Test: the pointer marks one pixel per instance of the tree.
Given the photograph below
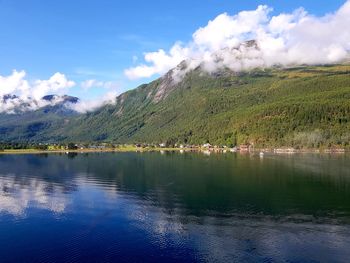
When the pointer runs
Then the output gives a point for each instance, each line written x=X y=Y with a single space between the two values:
x=71 y=146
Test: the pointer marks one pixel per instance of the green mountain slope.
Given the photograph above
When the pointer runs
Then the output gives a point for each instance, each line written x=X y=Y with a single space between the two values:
x=300 y=107
x=305 y=106
x=36 y=126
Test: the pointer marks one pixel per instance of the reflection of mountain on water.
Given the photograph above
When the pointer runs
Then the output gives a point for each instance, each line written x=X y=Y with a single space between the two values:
x=245 y=238
x=184 y=206
x=326 y=165
x=193 y=184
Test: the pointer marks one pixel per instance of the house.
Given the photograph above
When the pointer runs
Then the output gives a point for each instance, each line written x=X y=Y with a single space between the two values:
x=162 y=145
x=244 y=147
x=207 y=145
x=233 y=150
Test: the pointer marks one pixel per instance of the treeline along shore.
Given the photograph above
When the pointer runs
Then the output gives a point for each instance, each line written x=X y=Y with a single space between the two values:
x=207 y=148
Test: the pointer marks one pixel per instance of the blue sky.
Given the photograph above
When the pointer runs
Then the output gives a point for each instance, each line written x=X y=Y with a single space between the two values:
x=99 y=39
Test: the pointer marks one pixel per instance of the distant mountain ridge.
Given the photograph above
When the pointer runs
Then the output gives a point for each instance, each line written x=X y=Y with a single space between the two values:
x=64 y=98
x=23 y=119
x=14 y=104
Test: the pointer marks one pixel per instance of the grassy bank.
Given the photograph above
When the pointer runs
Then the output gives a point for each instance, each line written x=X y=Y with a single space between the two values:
x=119 y=149
x=131 y=148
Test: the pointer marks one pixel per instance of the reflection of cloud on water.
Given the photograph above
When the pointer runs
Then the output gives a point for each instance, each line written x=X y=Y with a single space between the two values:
x=89 y=181
x=172 y=211
x=162 y=217
x=236 y=237
x=160 y=226
x=11 y=205
x=17 y=195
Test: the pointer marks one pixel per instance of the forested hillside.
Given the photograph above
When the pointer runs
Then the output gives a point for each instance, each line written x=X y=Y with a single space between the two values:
x=299 y=107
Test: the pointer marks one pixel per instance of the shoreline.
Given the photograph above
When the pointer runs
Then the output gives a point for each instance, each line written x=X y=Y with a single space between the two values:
x=181 y=150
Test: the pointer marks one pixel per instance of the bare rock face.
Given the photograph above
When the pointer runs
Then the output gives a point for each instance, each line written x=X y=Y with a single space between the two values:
x=121 y=99
x=120 y=103
x=168 y=83
x=120 y=112
x=165 y=86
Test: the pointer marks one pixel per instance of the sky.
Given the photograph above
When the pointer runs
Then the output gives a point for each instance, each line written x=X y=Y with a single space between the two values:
x=95 y=49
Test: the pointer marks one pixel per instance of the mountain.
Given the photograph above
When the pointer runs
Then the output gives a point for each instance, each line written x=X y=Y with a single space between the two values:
x=23 y=119
x=64 y=98
x=300 y=107
x=13 y=104
x=60 y=104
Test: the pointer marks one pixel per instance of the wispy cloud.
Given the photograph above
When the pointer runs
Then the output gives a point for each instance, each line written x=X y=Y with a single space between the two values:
x=93 y=83
x=88 y=73
x=90 y=105
x=140 y=40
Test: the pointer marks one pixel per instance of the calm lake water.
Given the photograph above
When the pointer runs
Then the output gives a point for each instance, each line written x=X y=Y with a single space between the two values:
x=172 y=207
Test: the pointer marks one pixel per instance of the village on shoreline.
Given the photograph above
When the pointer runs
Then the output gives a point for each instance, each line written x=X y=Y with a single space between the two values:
x=206 y=148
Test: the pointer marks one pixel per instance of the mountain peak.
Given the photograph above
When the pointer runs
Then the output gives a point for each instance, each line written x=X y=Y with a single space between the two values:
x=7 y=97
x=62 y=99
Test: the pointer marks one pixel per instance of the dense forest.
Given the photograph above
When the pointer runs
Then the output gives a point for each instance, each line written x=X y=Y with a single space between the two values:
x=302 y=107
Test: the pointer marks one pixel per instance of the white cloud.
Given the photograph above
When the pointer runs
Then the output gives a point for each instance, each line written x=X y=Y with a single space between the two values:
x=286 y=39
x=93 y=83
x=109 y=97
x=225 y=31
x=84 y=106
x=27 y=96
x=16 y=84
x=160 y=62
x=57 y=84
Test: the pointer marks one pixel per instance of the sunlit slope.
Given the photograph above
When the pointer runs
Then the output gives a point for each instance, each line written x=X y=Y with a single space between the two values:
x=305 y=106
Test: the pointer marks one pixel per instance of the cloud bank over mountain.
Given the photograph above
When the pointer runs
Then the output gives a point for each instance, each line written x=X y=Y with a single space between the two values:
x=244 y=41
x=286 y=39
x=17 y=84
x=18 y=94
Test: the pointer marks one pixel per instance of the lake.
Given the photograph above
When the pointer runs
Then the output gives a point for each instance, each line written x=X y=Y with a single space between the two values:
x=172 y=207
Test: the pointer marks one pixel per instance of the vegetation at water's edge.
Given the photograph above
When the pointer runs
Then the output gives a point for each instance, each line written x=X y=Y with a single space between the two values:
x=305 y=107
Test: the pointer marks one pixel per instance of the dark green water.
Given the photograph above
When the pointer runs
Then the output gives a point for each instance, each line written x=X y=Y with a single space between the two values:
x=172 y=207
